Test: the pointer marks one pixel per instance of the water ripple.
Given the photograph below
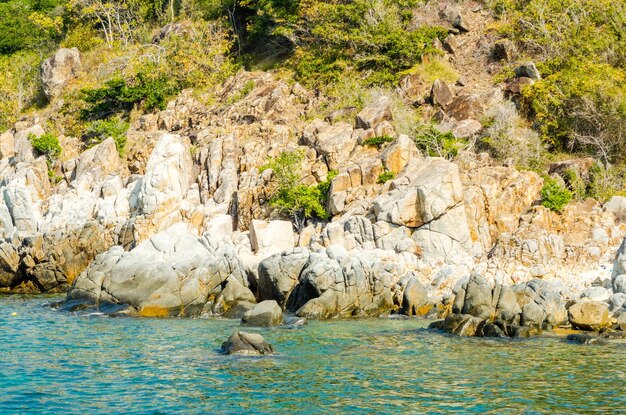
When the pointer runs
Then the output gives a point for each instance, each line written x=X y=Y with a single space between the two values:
x=55 y=362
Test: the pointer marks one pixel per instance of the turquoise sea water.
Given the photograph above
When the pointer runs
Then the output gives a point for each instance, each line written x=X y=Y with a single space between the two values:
x=61 y=363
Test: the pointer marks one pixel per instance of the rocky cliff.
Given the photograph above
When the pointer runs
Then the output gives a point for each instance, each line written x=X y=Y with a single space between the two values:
x=181 y=225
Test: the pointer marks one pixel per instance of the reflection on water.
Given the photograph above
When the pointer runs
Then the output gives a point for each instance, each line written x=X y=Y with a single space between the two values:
x=54 y=362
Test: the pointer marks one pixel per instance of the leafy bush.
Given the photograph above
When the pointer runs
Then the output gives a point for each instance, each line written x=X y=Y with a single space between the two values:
x=46 y=145
x=82 y=37
x=605 y=183
x=554 y=196
x=378 y=141
x=297 y=200
x=119 y=95
x=385 y=177
x=580 y=104
x=324 y=187
x=438 y=144
x=29 y=24
x=373 y=39
x=507 y=138
x=19 y=85
x=100 y=130
x=432 y=68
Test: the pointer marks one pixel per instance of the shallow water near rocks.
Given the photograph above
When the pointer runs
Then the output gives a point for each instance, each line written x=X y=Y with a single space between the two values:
x=54 y=362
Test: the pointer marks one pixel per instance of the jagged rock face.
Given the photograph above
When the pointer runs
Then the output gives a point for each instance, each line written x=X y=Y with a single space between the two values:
x=172 y=273
x=428 y=196
x=530 y=304
x=164 y=187
x=332 y=282
x=483 y=310
x=265 y=314
x=54 y=260
x=57 y=70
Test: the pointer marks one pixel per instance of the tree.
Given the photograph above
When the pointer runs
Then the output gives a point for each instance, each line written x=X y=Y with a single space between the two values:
x=291 y=197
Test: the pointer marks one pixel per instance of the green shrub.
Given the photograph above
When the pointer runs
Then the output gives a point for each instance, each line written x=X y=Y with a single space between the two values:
x=119 y=95
x=580 y=50
x=437 y=144
x=100 y=130
x=374 y=40
x=297 y=200
x=378 y=141
x=605 y=183
x=554 y=196
x=324 y=186
x=385 y=177
x=46 y=145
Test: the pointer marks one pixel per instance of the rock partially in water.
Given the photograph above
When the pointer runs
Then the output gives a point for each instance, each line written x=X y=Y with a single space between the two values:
x=265 y=314
x=415 y=300
x=174 y=273
x=246 y=344
x=602 y=338
x=523 y=310
x=589 y=315
x=238 y=310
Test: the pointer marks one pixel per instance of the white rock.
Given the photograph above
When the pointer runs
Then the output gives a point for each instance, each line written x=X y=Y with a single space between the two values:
x=273 y=236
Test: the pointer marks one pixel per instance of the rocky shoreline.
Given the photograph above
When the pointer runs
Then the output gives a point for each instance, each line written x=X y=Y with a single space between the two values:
x=181 y=225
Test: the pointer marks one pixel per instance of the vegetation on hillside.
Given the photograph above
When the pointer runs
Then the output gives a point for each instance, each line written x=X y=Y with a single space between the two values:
x=349 y=51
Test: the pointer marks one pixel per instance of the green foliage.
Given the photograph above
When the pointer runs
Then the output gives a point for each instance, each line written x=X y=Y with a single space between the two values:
x=437 y=144
x=293 y=198
x=118 y=95
x=373 y=40
x=580 y=48
x=378 y=141
x=385 y=177
x=82 y=37
x=19 y=85
x=575 y=184
x=605 y=183
x=29 y=24
x=324 y=186
x=582 y=108
x=554 y=196
x=433 y=68
x=46 y=145
x=100 y=130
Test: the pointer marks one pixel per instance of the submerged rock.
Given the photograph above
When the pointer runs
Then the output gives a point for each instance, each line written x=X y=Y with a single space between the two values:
x=247 y=344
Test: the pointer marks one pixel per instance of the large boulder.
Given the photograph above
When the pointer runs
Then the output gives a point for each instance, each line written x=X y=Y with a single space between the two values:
x=265 y=314
x=398 y=154
x=426 y=190
x=374 y=114
x=174 y=273
x=440 y=94
x=415 y=301
x=546 y=296
x=589 y=315
x=528 y=70
x=333 y=142
x=279 y=274
x=272 y=236
x=246 y=344
x=57 y=70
